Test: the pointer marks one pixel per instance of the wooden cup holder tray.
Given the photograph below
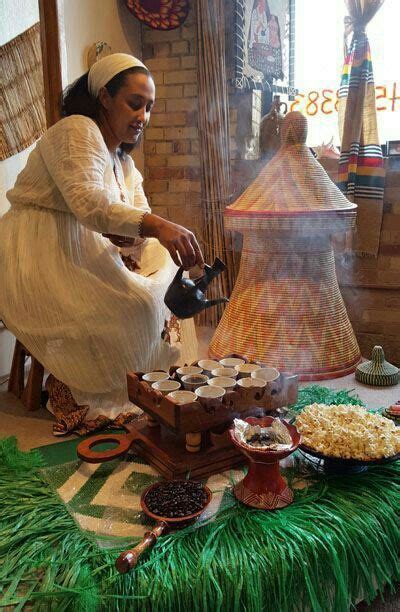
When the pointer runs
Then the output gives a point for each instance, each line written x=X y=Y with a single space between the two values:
x=205 y=414
x=172 y=428
x=189 y=439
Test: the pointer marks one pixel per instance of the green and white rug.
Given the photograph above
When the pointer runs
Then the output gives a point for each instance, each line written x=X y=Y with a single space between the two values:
x=63 y=523
x=105 y=498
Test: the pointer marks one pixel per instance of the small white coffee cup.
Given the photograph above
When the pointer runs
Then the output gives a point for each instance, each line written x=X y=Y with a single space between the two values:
x=210 y=392
x=222 y=381
x=230 y=372
x=185 y=370
x=268 y=374
x=166 y=386
x=151 y=377
x=248 y=382
x=208 y=365
x=192 y=381
x=246 y=369
x=182 y=397
x=231 y=362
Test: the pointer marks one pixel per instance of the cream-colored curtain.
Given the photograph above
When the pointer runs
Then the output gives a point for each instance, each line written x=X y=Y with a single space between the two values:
x=361 y=170
x=214 y=152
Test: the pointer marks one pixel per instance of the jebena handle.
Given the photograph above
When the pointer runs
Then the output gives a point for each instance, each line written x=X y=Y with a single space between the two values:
x=128 y=559
x=84 y=450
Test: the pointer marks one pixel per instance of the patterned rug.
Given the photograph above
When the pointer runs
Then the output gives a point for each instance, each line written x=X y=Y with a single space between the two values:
x=104 y=498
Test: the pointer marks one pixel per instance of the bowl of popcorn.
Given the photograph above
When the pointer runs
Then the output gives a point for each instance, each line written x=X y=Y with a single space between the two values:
x=348 y=433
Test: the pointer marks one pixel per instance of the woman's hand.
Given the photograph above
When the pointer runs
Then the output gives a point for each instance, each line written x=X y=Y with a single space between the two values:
x=120 y=241
x=180 y=242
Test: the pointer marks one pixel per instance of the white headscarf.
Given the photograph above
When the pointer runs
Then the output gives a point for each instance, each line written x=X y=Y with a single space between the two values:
x=106 y=68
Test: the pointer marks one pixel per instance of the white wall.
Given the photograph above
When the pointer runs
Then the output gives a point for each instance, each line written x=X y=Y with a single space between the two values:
x=16 y=17
x=89 y=21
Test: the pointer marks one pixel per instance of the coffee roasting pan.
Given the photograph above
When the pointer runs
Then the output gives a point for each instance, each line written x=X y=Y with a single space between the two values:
x=129 y=558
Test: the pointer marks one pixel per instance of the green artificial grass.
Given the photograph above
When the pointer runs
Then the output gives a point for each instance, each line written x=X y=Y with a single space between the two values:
x=337 y=542
x=323 y=395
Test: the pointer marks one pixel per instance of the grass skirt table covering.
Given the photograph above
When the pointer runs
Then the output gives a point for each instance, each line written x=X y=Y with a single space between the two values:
x=338 y=542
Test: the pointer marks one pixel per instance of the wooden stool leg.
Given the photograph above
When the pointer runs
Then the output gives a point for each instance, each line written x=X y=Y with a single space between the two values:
x=31 y=395
x=17 y=373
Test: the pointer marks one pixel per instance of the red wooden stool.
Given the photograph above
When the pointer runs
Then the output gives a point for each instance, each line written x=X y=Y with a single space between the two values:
x=29 y=393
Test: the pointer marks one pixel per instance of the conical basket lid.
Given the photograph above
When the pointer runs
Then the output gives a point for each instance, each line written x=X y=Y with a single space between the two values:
x=292 y=183
x=377 y=372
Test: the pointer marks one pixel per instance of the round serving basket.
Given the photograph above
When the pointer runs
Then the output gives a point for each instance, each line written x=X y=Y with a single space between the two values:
x=336 y=465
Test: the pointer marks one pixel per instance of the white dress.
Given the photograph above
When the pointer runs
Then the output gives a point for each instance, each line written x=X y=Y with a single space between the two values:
x=65 y=292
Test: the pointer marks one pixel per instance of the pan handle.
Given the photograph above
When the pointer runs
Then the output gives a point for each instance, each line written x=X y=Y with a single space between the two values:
x=128 y=559
x=84 y=450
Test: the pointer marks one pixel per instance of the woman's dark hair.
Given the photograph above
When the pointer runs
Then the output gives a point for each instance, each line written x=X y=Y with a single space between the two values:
x=78 y=101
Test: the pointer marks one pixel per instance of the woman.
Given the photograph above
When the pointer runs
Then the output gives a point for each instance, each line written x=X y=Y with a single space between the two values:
x=66 y=294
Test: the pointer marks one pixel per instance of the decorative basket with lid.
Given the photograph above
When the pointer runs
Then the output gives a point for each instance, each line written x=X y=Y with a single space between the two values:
x=378 y=372
x=286 y=308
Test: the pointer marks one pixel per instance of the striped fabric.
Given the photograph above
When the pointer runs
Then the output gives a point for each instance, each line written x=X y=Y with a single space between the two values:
x=361 y=169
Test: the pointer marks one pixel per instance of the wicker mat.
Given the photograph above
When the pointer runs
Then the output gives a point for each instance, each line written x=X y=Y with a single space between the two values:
x=21 y=92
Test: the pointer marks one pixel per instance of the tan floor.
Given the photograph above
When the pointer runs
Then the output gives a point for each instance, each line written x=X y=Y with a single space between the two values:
x=34 y=429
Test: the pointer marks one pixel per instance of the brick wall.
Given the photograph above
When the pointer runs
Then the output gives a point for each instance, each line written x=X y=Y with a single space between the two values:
x=370 y=287
x=171 y=146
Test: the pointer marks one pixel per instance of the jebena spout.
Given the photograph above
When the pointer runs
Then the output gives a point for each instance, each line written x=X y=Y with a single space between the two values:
x=209 y=303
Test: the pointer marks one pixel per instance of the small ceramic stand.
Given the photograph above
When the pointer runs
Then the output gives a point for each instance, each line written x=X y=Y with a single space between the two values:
x=264 y=487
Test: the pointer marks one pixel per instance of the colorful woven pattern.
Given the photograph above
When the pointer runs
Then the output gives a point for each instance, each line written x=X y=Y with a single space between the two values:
x=286 y=309
x=361 y=170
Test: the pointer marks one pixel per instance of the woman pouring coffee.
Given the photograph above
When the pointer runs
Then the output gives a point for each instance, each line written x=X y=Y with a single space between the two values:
x=65 y=291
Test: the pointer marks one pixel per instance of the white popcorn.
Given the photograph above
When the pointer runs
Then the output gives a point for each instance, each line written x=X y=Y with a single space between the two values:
x=348 y=431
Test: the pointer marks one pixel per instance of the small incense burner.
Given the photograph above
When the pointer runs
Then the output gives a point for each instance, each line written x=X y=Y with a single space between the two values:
x=263 y=487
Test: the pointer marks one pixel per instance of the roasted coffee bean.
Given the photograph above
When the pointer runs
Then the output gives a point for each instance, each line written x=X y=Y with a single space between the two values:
x=176 y=499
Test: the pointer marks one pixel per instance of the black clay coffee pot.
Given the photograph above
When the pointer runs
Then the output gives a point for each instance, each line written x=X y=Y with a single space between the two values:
x=185 y=297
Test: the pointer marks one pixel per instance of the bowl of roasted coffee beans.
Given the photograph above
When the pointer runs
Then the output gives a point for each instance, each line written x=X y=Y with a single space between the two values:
x=173 y=504
x=175 y=501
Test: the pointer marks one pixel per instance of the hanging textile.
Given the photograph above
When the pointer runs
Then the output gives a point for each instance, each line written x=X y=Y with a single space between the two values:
x=214 y=147
x=361 y=169
x=159 y=14
x=21 y=92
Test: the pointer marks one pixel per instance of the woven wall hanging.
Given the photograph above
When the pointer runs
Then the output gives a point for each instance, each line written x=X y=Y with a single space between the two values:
x=21 y=93
x=160 y=14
